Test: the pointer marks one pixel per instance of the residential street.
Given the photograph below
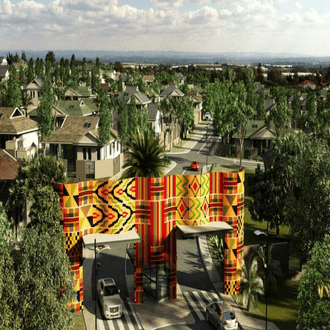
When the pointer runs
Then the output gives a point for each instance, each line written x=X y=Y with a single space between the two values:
x=202 y=142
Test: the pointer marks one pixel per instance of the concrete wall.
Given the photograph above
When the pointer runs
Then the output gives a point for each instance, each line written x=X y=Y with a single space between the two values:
x=103 y=168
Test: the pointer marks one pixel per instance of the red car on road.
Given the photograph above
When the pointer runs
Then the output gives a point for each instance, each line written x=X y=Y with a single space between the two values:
x=194 y=166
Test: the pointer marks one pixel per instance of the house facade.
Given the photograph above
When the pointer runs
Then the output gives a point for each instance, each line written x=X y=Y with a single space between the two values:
x=18 y=134
x=77 y=143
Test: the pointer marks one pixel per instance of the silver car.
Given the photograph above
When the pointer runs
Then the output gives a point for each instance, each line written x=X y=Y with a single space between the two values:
x=221 y=315
x=109 y=298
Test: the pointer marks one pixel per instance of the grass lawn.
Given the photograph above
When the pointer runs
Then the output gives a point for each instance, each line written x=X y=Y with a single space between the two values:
x=79 y=323
x=283 y=305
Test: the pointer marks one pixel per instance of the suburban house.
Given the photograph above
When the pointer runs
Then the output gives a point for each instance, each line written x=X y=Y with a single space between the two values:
x=18 y=216
x=308 y=84
x=4 y=72
x=155 y=118
x=33 y=89
x=149 y=79
x=63 y=108
x=77 y=143
x=79 y=93
x=258 y=139
x=198 y=106
x=3 y=61
x=181 y=77
x=140 y=99
x=18 y=134
x=172 y=91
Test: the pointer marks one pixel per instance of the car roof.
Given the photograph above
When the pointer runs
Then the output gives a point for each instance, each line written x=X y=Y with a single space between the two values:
x=108 y=281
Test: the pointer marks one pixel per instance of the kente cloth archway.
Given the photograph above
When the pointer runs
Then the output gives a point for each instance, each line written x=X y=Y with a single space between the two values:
x=153 y=207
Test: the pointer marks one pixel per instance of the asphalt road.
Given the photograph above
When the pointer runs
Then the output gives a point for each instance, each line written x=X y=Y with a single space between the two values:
x=205 y=140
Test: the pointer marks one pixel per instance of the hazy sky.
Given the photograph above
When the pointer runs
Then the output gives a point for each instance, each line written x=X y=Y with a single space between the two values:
x=277 y=26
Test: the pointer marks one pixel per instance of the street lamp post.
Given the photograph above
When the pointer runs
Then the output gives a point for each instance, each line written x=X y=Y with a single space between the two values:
x=259 y=232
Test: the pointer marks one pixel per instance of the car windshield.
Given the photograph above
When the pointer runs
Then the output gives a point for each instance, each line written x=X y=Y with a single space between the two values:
x=110 y=290
x=229 y=316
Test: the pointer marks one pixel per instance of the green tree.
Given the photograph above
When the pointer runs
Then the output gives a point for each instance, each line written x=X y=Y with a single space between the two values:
x=145 y=156
x=309 y=202
x=133 y=121
x=9 y=296
x=296 y=112
x=314 y=311
x=241 y=114
x=45 y=110
x=271 y=189
x=123 y=131
x=50 y=56
x=252 y=285
x=260 y=107
x=105 y=119
x=184 y=113
x=23 y=56
x=21 y=76
x=43 y=271
x=280 y=114
x=30 y=70
x=11 y=93
x=4 y=227
x=33 y=173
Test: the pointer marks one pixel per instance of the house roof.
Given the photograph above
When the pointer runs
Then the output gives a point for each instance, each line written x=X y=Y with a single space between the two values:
x=80 y=91
x=13 y=121
x=269 y=104
x=127 y=94
x=35 y=82
x=76 y=107
x=149 y=78
x=9 y=166
x=264 y=133
x=171 y=90
x=153 y=111
x=3 y=70
x=74 y=128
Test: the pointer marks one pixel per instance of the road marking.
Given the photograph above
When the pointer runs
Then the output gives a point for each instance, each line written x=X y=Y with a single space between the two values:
x=210 y=296
x=128 y=319
x=194 y=306
x=100 y=324
x=135 y=316
x=197 y=296
x=120 y=324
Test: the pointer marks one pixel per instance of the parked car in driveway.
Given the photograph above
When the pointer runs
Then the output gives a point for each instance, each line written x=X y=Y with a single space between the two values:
x=207 y=116
x=194 y=166
x=221 y=315
x=109 y=298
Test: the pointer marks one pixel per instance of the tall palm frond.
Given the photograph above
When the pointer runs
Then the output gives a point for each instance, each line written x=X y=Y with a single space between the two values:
x=216 y=246
x=274 y=269
x=145 y=156
x=252 y=285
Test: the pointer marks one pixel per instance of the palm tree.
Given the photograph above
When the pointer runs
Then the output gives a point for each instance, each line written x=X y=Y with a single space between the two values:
x=252 y=285
x=274 y=270
x=216 y=246
x=145 y=156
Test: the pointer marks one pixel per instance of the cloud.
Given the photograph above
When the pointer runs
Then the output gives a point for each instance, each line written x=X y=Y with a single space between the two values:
x=108 y=24
x=298 y=5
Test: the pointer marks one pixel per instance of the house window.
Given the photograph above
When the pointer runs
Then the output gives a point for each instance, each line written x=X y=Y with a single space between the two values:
x=254 y=126
x=110 y=149
x=84 y=153
x=71 y=106
x=89 y=150
x=87 y=125
x=98 y=154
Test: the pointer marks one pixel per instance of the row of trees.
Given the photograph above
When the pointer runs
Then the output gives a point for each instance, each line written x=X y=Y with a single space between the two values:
x=35 y=276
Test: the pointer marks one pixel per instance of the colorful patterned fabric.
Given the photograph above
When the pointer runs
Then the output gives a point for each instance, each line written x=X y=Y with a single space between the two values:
x=153 y=207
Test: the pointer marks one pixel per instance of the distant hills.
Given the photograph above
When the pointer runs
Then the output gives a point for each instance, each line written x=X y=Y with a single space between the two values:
x=172 y=57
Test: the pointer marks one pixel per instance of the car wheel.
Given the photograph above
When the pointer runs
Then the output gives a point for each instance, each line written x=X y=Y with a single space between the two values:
x=207 y=316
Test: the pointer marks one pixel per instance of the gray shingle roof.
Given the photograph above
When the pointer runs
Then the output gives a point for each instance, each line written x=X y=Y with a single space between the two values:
x=3 y=70
x=17 y=124
x=170 y=90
